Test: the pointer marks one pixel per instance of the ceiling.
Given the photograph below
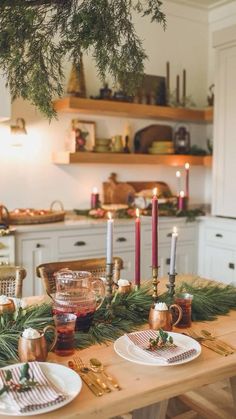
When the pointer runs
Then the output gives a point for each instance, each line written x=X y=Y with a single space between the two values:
x=204 y=4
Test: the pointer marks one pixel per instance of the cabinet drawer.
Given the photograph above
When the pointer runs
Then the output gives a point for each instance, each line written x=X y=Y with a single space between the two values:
x=165 y=234
x=220 y=237
x=74 y=244
x=124 y=239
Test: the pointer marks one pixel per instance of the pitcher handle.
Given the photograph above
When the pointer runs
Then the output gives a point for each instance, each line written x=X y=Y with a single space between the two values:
x=50 y=326
x=180 y=311
x=98 y=283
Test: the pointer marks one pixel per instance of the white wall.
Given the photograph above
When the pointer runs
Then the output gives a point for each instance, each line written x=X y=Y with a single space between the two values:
x=27 y=176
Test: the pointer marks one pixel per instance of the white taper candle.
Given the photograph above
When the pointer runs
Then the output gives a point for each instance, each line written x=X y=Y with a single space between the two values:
x=173 y=251
x=109 y=238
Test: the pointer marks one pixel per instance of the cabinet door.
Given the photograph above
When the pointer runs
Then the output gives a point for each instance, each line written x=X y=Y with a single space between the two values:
x=128 y=259
x=220 y=264
x=224 y=168
x=186 y=259
x=33 y=253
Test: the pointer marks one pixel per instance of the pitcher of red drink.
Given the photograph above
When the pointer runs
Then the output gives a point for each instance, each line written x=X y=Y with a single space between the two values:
x=80 y=293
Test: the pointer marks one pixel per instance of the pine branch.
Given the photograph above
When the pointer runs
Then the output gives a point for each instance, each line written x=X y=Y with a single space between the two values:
x=36 y=36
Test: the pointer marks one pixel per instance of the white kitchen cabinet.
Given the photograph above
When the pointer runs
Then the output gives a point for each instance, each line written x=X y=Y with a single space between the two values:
x=36 y=245
x=31 y=252
x=224 y=167
x=217 y=249
x=186 y=253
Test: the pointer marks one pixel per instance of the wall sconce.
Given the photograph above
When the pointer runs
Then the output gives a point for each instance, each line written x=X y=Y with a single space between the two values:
x=19 y=127
x=18 y=130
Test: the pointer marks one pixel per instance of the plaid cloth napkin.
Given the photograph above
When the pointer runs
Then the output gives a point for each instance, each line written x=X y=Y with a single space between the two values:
x=167 y=354
x=43 y=395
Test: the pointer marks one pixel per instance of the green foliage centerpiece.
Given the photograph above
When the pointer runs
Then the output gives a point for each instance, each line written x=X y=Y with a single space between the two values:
x=126 y=313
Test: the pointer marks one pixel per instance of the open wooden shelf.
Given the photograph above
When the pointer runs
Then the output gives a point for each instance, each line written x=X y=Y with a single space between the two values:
x=131 y=110
x=116 y=158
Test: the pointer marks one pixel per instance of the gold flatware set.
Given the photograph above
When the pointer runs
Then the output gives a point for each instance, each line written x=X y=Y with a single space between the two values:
x=205 y=338
x=94 y=376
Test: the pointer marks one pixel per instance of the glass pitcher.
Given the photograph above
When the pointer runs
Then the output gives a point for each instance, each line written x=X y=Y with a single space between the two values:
x=80 y=293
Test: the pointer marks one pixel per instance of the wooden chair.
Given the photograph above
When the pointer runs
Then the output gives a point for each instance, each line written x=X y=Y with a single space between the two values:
x=96 y=266
x=11 y=280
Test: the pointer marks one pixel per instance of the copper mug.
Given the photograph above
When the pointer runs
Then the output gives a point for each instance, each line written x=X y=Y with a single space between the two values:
x=7 y=307
x=163 y=319
x=36 y=349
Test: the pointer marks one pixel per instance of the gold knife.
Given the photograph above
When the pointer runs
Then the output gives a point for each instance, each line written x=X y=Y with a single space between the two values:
x=86 y=380
x=214 y=348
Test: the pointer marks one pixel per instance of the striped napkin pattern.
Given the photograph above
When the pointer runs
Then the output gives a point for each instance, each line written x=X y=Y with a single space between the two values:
x=43 y=395
x=167 y=354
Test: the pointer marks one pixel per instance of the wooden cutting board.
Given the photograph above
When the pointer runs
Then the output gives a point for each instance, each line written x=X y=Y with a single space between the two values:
x=115 y=192
x=143 y=138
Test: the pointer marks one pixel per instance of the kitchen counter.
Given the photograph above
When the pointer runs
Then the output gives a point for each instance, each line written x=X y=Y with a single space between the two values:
x=77 y=221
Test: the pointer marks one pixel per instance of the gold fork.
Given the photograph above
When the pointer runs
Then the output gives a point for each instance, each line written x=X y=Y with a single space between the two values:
x=94 y=388
x=208 y=335
x=208 y=344
x=80 y=364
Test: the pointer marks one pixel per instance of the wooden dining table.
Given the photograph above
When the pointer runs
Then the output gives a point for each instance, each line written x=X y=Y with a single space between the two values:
x=153 y=386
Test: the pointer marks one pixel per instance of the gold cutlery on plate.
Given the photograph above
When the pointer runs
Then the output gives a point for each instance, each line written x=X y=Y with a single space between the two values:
x=98 y=367
x=92 y=375
x=95 y=390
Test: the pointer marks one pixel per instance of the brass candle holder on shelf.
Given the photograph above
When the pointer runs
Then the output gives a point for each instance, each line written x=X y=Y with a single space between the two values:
x=171 y=284
x=155 y=283
x=109 y=282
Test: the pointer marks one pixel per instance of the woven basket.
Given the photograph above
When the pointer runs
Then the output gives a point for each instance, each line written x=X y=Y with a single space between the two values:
x=31 y=216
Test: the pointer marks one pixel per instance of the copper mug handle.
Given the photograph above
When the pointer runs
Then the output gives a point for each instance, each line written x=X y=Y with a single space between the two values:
x=180 y=311
x=50 y=326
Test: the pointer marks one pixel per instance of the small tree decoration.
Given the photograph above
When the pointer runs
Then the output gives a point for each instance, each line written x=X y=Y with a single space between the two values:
x=37 y=35
x=76 y=85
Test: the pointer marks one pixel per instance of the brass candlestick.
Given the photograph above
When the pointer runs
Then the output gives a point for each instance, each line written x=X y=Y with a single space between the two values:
x=109 y=282
x=171 y=284
x=155 y=283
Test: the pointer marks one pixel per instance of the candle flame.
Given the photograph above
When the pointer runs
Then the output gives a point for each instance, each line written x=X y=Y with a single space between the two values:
x=187 y=166
x=95 y=190
x=137 y=213
x=181 y=194
x=178 y=174
x=109 y=216
x=155 y=190
x=175 y=230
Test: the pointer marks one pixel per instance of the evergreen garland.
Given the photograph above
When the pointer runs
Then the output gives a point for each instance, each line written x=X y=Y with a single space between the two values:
x=37 y=36
x=126 y=313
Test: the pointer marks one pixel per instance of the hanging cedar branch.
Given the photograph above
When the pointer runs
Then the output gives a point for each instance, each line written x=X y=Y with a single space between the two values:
x=36 y=36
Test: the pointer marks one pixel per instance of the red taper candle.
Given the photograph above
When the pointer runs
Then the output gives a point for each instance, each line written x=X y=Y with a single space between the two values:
x=181 y=201
x=154 y=229
x=187 y=166
x=137 y=249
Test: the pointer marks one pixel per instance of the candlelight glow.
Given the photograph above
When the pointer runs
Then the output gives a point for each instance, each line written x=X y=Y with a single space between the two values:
x=181 y=194
x=178 y=174
x=187 y=166
x=95 y=190
x=175 y=231
x=137 y=213
x=155 y=192
x=109 y=216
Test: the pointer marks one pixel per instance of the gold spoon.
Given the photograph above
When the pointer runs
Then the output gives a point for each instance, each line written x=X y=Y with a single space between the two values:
x=219 y=342
x=97 y=366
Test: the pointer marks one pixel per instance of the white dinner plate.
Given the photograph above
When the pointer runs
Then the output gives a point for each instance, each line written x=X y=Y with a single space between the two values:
x=127 y=350
x=65 y=379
